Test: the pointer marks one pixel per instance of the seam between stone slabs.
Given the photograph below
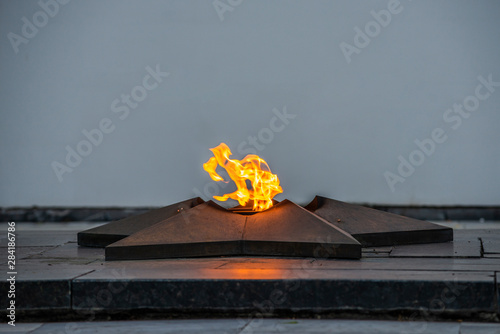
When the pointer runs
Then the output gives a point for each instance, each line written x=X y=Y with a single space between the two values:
x=71 y=288
x=34 y=329
x=42 y=252
x=481 y=245
x=222 y=265
x=245 y=326
x=497 y=292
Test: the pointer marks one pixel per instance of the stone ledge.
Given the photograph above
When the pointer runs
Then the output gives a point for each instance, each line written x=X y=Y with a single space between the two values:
x=93 y=214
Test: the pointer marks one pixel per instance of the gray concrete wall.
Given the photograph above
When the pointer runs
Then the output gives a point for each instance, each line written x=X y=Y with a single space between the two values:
x=360 y=89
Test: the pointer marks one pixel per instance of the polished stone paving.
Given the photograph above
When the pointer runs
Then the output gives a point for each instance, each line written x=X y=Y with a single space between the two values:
x=458 y=280
x=230 y=326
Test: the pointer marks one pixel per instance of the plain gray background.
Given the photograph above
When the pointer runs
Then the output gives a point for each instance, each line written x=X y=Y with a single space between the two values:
x=353 y=120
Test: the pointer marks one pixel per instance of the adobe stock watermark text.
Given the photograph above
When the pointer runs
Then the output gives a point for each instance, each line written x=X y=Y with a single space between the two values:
x=121 y=107
x=30 y=27
x=453 y=117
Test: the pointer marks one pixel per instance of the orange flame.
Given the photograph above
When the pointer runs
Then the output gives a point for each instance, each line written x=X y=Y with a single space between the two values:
x=265 y=185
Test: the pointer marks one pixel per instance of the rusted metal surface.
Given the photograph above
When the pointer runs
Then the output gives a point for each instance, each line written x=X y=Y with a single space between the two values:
x=287 y=229
x=210 y=230
x=107 y=234
x=377 y=228
x=324 y=228
x=205 y=230
x=247 y=209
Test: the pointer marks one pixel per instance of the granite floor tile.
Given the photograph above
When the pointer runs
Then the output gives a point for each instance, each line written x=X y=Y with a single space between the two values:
x=194 y=326
x=479 y=328
x=40 y=238
x=23 y=252
x=226 y=290
x=465 y=243
x=490 y=240
x=262 y=274
x=457 y=248
x=377 y=249
x=491 y=256
x=49 y=263
x=51 y=269
x=72 y=251
x=348 y=327
x=440 y=264
x=19 y=328
x=39 y=295
x=498 y=291
x=256 y=325
x=374 y=255
x=491 y=246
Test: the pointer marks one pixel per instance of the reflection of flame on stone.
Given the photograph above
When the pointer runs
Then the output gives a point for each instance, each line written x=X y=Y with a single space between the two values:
x=265 y=185
x=241 y=271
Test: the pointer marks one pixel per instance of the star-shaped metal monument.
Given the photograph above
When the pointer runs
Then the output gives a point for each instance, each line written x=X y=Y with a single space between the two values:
x=193 y=228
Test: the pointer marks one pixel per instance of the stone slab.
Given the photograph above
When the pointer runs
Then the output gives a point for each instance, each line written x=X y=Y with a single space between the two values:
x=323 y=284
x=387 y=249
x=39 y=238
x=192 y=326
x=265 y=326
x=489 y=238
x=498 y=291
x=457 y=248
x=491 y=247
x=376 y=252
x=479 y=328
x=322 y=290
x=38 y=294
x=106 y=234
x=490 y=241
x=443 y=250
x=19 y=328
x=44 y=283
x=467 y=243
x=491 y=256
x=374 y=255
x=255 y=324
x=135 y=283
x=23 y=252
x=369 y=264
x=377 y=228
x=71 y=251
x=38 y=267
